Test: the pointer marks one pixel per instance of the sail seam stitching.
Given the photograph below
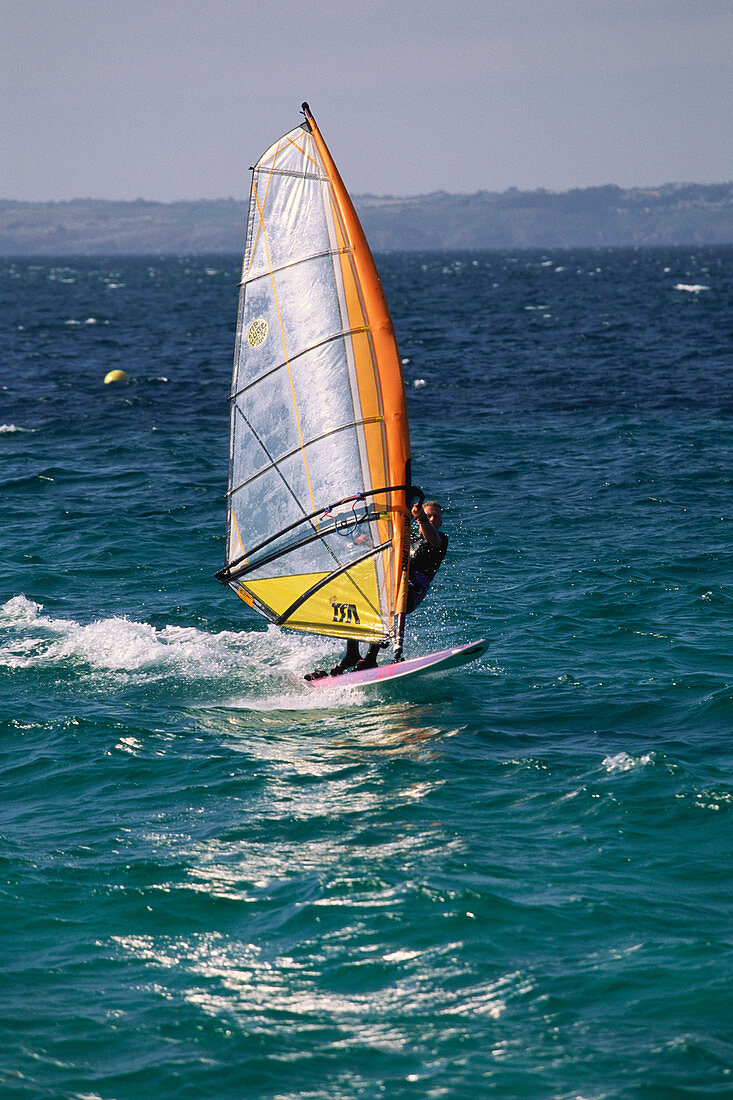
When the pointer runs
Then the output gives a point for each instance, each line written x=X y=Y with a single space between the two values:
x=298 y=355
x=275 y=462
x=247 y=281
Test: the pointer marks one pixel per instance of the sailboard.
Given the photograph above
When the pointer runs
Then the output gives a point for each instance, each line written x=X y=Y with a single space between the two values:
x=428 y=664
x=318 y=517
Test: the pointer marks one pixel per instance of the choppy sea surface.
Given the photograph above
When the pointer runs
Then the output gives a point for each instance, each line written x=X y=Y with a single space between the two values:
x=510 y=882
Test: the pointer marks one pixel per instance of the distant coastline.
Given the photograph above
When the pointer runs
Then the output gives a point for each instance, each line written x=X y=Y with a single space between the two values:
x=610 y=216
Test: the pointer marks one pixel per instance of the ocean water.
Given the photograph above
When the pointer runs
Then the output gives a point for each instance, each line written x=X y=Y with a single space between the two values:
x=511 y=882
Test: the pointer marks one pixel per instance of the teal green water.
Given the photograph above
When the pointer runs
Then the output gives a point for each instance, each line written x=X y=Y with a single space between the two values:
x=511 y=882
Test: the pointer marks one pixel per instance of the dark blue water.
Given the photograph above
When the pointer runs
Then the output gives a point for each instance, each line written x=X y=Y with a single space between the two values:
x=515 y=882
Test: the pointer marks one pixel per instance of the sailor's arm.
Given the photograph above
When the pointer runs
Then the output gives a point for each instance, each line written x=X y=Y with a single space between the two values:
x=427 y=530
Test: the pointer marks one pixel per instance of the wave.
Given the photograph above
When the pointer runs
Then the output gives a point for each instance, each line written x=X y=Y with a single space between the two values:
x=249 y=671
x=121 y=643
x=624 y=762
x=261 y=669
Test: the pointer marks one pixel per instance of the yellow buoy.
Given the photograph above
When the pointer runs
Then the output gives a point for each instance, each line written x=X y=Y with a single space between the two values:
x=116 y=376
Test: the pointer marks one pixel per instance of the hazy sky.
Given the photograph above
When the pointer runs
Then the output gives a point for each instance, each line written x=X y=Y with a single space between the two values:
x=174 y=99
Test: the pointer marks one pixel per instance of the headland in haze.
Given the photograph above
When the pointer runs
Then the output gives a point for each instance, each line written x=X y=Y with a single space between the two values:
x=610 y=216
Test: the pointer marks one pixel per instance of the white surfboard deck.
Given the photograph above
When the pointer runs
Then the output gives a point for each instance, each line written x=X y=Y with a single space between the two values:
x=426 y=665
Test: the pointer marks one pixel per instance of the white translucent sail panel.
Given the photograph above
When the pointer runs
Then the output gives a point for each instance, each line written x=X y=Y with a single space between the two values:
x=307 y=425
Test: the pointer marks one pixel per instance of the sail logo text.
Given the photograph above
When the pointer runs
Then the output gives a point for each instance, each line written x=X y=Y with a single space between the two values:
x=345 y=613
x=257 y=333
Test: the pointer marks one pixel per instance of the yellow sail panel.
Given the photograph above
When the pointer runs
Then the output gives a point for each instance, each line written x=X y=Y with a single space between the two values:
x=344 y=606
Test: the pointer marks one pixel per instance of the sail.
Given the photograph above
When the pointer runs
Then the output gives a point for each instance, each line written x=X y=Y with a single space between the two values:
x=319 y=462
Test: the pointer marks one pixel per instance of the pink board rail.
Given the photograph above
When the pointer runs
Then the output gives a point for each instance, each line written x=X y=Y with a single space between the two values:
x=426 y=665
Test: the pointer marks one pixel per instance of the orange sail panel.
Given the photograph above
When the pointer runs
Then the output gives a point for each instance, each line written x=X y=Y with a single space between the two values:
x=319 y=461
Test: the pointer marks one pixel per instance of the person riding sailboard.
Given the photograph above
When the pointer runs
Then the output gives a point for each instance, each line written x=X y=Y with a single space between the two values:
x=319 y=496
x=427 y=550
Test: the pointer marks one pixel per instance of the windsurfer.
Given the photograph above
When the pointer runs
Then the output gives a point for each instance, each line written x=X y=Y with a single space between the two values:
x=428 y=547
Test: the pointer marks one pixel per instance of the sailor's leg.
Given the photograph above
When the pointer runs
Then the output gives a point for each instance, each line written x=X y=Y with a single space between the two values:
x=370 y=661
x=349 y=659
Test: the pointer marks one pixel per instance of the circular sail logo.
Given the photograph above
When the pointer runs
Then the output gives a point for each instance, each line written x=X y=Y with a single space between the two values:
x=257 y=332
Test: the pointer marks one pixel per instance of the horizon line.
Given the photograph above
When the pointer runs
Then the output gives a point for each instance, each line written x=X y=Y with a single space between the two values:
x=650 y=188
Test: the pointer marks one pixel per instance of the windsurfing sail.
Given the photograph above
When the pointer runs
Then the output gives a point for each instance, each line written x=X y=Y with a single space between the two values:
x=318 y=521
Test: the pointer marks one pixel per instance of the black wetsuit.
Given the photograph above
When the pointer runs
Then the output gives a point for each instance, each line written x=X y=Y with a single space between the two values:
x=425 y=561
